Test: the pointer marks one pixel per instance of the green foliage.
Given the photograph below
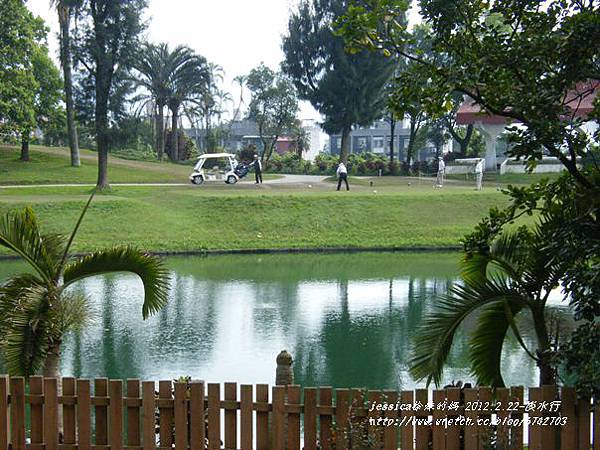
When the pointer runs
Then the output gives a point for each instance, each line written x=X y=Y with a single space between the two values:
x=36 y=312
x=21 y=62
x=347 y=89
x=511 y=273
x=105 y=44
x=580 y=360
x=273 y=105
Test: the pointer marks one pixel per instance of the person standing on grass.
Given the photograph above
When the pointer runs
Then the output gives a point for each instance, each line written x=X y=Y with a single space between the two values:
x=257 y=165
x=342 y=174
x=439 y=181
x=479 y=175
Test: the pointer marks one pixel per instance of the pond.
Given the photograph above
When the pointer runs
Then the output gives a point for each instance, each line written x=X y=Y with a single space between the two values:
x=347 y=319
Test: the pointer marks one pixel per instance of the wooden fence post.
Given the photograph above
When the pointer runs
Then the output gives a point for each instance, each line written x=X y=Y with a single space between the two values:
x=325 y=399
x=133 y=413
x=197 y=416
x=230 y=396
x=36 y=395
x=17 y=412
x=116 y=415
x=68 y=407
x=246 y=431
x=101 y=410
x=278 y=417
x=165 y=412
x=4 y=413
x=181 y=416
x=310 y=418
x=84 y=409
x=293 y=422
x=214 y=416
x=51 y=413
x=148 y=415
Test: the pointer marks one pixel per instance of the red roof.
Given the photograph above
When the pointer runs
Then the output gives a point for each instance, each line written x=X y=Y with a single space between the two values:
x=579 y=100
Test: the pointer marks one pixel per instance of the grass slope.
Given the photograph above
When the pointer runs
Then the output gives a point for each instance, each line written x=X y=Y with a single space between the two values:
x=52 y=166
x=249 y=217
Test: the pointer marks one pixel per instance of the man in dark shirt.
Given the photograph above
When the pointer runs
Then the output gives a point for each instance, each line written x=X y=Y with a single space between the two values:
x=257 y=166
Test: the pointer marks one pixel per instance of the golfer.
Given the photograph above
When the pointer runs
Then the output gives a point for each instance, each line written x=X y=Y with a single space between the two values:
x=257 y=166
x=439 y=181
x=342 y=174
x=479 y=175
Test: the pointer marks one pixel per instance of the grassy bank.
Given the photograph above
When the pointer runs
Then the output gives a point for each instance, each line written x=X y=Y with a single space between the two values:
x=241 y=217
x=51 y=165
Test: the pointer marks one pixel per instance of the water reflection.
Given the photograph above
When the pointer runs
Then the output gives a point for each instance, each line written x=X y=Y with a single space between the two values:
x=348 y=320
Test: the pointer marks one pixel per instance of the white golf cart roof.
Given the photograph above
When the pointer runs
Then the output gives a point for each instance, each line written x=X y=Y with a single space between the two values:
x=216 y=155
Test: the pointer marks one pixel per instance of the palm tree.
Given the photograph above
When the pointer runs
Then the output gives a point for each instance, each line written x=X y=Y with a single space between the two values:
x=65 y=10
x=515 y=275
x=188 y=80
x=37 y=309
x=153 y=65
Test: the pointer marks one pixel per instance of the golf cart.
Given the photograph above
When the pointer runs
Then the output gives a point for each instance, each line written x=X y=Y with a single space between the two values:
x=234 y=170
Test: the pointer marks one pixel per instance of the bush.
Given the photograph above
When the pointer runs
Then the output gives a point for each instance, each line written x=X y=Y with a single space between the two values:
x=363 y=164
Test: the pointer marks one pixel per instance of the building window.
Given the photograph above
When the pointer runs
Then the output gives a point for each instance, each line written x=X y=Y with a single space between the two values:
x=377 y=142
x=338 y=142
x=362 y=143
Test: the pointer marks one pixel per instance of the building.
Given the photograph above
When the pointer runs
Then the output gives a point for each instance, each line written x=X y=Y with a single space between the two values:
x=238 y=134
x=376 y=139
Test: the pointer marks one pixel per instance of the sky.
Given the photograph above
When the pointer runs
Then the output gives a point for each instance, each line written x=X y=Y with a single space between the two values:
x=236 y=34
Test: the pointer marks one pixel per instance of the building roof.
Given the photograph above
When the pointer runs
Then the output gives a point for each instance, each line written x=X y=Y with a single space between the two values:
x=579 y=101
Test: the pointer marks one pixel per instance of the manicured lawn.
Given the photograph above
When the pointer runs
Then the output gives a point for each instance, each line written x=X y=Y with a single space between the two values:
x=50 y=165
x=249 y=217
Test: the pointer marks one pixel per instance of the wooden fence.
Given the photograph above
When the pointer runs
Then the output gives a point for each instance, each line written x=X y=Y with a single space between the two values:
x=35 y=416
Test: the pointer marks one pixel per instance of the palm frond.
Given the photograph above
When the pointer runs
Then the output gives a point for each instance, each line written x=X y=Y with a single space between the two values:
x=485 y=343
x=72 y=312
x=150 y=269
x=10 y=294
x=27 y=340
x=20 y=232
x=434 y=336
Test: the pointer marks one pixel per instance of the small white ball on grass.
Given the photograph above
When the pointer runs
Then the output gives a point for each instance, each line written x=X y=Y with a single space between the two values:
x=310 y=185
x=374 y=192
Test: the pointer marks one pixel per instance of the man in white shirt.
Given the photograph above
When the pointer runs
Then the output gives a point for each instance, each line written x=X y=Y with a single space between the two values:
x=479 y=174
x=439 y=181
x=342 y=174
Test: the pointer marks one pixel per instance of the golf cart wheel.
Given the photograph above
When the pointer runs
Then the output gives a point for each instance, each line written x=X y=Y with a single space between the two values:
x=231 y=179
x=198 y=179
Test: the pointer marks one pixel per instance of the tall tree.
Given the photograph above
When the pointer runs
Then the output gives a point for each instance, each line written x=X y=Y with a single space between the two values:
x=47 y=96
x=187 y=83
x=20 y=36
x=65 y=10
x=155 y=66
x=348 y=89
x=107 y=39
x=273 y=106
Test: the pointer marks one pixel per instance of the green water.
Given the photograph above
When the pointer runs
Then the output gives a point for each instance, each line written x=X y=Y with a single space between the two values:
x=347 y=319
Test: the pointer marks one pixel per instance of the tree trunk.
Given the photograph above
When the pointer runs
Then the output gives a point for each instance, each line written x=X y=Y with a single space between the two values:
x=392 y=135
x=25 y=146
x=345 y=150
x=544 y=351
x=51 y=369
x=64 y=17
x=466 y=141
x=160 y=133
x=102 y=138
x=174 y=135
x=411 y=141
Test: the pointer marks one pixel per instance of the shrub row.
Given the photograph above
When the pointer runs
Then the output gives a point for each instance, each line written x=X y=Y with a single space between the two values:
x=364 y=164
